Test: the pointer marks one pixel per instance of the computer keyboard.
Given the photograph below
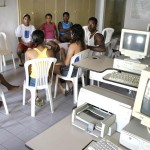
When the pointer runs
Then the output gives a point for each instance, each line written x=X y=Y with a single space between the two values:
x=123 y=78
x=103 y=144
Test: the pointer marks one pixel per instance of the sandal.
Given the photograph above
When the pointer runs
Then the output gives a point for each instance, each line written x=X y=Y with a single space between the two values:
x=66 y=93
x=39 y=102
x=21 y=65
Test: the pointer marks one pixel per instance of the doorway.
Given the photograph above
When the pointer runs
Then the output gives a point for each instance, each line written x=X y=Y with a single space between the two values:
x=114 y=15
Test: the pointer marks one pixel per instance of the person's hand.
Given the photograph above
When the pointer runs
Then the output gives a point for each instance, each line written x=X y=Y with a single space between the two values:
x=29 y=44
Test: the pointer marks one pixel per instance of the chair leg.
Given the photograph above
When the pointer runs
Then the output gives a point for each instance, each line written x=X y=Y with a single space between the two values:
x=24 y=95
x=75 y=90
x=1 y=63
x=33 y=96
x=83 y=81
x=4 y=62
x=91 y=82
x=67 y=87
x=13 y=61
x=50 y=99
x=4 y=103
x=56 y=84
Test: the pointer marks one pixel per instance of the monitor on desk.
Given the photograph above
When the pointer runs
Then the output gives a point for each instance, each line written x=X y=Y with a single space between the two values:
x=141 y=109
x=135 y=43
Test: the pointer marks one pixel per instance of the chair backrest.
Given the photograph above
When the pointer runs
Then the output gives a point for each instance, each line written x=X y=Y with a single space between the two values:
x=148 y=27
x=3 y=41
x=77 y=57
x=107 y=33
x=86 y=33
x=43 y=69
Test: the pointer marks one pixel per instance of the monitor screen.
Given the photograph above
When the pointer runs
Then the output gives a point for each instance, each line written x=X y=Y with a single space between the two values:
x=141 y=108
x=134 y=43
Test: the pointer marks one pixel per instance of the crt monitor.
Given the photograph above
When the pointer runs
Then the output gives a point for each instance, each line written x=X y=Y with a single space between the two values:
x=141 y=108
x=135 y=43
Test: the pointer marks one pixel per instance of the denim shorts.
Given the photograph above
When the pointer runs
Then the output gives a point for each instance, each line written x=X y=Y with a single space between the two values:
x=32 y=82
x=64 y=71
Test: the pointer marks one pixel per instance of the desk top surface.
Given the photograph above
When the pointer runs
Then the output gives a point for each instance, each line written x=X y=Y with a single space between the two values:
x=64 y=136
x=96 y=64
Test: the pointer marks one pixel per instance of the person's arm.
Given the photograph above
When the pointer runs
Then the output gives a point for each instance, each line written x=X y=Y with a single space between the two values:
x=56 y=33
x=27 y=55
x=50 y=53
x=70 y=53
x=60 y=29
x=42 y=27
x=99 y=43
x=20 y=40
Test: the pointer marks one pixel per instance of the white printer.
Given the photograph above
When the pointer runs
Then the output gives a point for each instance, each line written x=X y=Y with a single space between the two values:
x=109 y=101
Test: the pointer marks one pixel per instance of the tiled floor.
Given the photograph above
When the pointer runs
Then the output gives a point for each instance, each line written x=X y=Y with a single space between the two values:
x=19 y=127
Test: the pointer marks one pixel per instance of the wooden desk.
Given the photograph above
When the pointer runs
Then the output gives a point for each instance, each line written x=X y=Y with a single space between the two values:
x=64 y=136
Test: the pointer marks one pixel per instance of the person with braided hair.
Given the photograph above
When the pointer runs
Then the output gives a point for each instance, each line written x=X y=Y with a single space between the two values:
x=76 y=45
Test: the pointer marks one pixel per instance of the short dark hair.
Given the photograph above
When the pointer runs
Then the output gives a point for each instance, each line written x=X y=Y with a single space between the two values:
x=37 y=37
x=93 y=19
x=66 y=13
x=26 y=15
x=48 y=14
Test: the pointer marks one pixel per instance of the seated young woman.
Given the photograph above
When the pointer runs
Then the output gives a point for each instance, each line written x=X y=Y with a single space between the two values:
x=76 y=45
x=40 y=51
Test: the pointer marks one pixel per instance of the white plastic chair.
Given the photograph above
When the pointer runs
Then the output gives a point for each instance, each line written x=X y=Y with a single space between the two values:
x=107 y=33
x=43 y=80
x=4 y=101
x=82 y=55
x=4 y=50
x=86 y=33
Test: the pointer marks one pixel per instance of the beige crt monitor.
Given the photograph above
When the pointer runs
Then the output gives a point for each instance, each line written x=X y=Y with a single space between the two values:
x=135 y=44
x=141 y=109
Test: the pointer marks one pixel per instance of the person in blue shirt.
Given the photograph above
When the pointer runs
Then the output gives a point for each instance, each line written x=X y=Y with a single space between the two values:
x=64 y=28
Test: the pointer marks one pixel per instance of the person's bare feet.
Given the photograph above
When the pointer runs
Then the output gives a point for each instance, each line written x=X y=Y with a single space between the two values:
x=13 y=88
x=1 y=103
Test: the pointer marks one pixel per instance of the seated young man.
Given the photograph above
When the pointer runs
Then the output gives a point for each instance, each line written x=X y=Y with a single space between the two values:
x=23 y=32
x=96 y=41
x=64 y=28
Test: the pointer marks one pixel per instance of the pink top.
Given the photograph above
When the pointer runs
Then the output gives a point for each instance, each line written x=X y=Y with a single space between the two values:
x=49 y=30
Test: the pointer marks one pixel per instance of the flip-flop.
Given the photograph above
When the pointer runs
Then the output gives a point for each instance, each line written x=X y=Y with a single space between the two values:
x=66 y=93
x=21 y=65
x=39 y=102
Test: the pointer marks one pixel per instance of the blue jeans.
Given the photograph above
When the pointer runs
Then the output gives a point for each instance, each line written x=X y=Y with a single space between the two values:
x=32 y=82
x=64 y=71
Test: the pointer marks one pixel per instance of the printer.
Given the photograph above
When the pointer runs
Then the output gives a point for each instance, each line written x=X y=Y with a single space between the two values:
x=94 y=120
x=98 y=109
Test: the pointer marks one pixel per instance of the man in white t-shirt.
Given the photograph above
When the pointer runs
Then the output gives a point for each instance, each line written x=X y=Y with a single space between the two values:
x=23 y=32
x=96 y=41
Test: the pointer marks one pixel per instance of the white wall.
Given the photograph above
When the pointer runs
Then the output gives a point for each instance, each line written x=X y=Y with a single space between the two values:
x=9 y=22
x=137 y=20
